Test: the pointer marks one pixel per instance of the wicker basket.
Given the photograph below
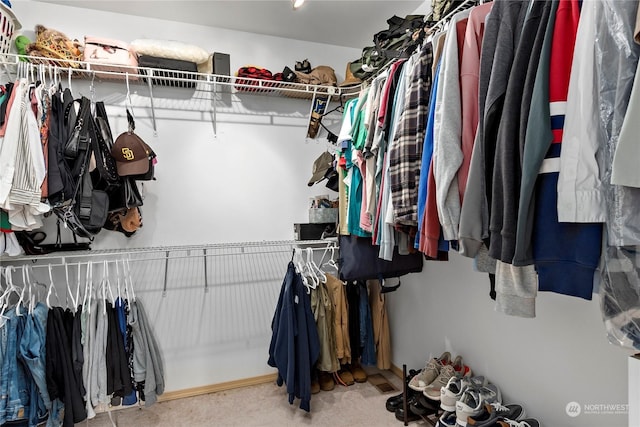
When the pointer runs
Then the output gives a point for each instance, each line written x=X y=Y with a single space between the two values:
x=9 y=24
x=54 y=48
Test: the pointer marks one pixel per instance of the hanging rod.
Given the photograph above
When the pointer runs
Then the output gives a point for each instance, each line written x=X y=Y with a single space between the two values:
x=166 y=257
x=102 y=253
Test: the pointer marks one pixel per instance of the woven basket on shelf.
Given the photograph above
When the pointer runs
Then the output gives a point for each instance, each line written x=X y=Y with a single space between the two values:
x=54 y=48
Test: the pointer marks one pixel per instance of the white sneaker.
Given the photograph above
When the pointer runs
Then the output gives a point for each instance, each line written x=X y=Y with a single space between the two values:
x=472 y=402
x=454 y=389
x=430 y=372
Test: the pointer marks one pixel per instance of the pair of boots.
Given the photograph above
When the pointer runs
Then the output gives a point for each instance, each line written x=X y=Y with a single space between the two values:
x=350 y=374
x=346 y=376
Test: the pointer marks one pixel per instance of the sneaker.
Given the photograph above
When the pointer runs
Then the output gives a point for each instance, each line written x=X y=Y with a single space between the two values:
x=456 y=368
x=457 y=385
x=395 y=402
x=528 y=422
x=433 y=390
x=496 y=411
x=448 y=419
x=430 y=372
x=473 y=400
x=460 y=367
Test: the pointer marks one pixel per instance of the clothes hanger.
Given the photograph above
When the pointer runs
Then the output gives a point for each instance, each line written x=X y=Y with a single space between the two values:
x=318 y=272
x=68 y=293
x=11 y=288
x=78 y=284
x=107 y=282
x=298 y=263
x=26 y=290
x=315 y=280
x=131 y=287
x=20 y=293
x=331 y=261
x=52 y=289
x=124 y=279
x=5 y=295
x=88 y=287
x=118 y=281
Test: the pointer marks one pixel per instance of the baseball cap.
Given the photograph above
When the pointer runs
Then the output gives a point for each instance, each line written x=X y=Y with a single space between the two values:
x=132 y=155
x=320 y=167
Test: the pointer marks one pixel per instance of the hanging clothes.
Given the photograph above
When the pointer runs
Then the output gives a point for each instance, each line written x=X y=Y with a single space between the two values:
x=295 y=346
x=380 y=325
x=337 y=293
x=367 y=340
x=148 y=367
x=323 y=313
x=61 y=382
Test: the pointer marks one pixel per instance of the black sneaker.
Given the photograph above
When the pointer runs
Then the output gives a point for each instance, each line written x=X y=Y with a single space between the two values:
x=400 y=415
x=303 y=66
x=423 y=406
x=494 y=412
x=395 y=402
x=288 y=75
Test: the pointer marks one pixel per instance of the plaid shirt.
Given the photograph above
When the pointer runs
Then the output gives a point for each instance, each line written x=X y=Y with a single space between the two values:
x=405 y=153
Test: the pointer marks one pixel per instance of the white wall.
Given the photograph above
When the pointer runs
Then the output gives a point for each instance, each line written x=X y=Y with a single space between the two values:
x=561 y=356
x=246 y=184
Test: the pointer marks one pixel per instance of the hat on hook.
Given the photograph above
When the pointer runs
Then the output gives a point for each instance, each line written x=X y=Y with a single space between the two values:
x=132 y=155
x=349 y=78
x=320 y=167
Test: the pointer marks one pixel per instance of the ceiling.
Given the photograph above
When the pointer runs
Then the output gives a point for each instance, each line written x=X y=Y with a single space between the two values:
x=350 y=23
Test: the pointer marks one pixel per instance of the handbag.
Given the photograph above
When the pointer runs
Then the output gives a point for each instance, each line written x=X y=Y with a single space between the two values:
x=105 y=176
x=110 y=55
x=359 y=261
x=88 y=208
x=125 y=196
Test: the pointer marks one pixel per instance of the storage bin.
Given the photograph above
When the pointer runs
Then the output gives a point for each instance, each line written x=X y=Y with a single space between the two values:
x=323 y=215
x=168 y=71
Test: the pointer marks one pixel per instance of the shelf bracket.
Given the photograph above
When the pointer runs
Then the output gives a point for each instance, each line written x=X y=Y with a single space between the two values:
x=214 y=110
x=206 y=277
x=166 y=274
x=153 y=110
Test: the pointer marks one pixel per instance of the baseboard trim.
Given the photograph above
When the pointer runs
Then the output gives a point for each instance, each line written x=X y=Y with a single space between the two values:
x=396 y=371
x=213 y=388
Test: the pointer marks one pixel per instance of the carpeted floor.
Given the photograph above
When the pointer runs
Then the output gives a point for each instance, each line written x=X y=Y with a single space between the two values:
x=264 y=405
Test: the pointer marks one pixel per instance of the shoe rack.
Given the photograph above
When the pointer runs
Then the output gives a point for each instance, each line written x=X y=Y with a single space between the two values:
x=431 y=420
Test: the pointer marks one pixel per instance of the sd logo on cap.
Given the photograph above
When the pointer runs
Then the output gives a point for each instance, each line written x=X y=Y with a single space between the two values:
x=133 y=156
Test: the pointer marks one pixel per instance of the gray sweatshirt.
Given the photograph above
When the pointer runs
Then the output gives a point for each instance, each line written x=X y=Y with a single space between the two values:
x=147 y=360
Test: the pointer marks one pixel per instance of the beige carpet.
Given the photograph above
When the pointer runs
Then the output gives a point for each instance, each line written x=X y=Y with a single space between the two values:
x=264 y=405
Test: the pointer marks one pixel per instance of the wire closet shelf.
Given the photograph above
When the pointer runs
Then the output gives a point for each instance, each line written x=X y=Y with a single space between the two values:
x=190 y=266
x=153 y=76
